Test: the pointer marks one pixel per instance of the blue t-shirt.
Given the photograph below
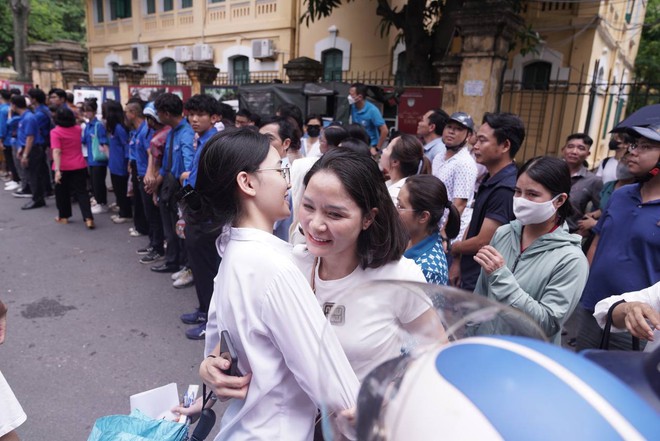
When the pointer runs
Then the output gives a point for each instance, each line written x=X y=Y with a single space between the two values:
x=144 y=134
x=429 y=255
x=627 y=257
x=28 y=126
x=201 y=142
x=44 y=121
x=180 y=139
x=4 y=116
x=88 y=135
x=118 y=146
x=370 y=118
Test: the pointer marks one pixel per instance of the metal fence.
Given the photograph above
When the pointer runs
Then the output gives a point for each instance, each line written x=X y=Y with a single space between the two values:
x=555 y=108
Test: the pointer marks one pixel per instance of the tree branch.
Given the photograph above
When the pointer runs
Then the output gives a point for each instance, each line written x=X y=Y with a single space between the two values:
x=397 y=18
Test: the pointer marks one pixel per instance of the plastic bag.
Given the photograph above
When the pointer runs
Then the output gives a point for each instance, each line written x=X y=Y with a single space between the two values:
x=137 y=427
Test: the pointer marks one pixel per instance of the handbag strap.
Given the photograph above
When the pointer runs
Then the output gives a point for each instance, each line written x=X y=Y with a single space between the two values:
x=605 y=339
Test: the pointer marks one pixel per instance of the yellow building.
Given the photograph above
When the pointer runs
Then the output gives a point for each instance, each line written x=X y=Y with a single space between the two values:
x=251 y=40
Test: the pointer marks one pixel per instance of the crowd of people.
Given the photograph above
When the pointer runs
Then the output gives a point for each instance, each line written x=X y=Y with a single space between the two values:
x=273 y=218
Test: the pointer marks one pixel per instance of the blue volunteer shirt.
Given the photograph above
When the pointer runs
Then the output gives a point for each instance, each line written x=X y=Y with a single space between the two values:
x=88 y=135
x=144 y=134
x=28 y=126
x=4 y=116
x=44 y=120
x=201 y=142
x=627 y=257
x=180 y=139
x=370 y=118
x=118 y=146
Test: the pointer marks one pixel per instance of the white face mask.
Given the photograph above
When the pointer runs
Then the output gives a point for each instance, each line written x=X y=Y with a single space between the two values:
x=529 y=213
x=351 y=100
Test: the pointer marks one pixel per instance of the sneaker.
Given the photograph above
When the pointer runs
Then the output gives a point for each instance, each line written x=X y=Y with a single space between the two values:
x=12 y=186
x=134 y=233
x=197 y=333
x=185 y=280
x=99 y=208
x=22 y=194
x=152 y=257
x=114 y=208
x=194 y=318
x=178 y=274
x=146 y=250
x=121 y=220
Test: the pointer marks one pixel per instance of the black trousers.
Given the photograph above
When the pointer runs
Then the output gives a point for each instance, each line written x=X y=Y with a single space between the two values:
x=169 y=216
x=97 y=176
x=120 y=186
x=139 y=216
x=152 y=213
x=73 y=183
x=11 y=166
x=203 y=260
x=35 y=172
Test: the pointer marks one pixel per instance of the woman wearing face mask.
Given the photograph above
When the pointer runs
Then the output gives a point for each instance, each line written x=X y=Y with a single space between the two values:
x=313 y=129
x=533 y=264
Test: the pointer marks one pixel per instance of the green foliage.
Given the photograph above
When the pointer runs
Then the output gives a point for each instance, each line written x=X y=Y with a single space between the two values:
x=49 y=20
x=647 y=64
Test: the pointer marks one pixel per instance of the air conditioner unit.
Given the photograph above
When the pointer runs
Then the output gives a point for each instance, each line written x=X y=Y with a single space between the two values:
x=182 y=54
x=203 y=52
x=263 y=49
x=140 y=54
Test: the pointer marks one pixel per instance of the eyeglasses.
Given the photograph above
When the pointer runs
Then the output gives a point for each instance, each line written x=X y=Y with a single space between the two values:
x=285 y=172
x=642 y=147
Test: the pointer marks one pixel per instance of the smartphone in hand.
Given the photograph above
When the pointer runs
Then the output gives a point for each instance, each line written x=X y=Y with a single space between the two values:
x=228 y=352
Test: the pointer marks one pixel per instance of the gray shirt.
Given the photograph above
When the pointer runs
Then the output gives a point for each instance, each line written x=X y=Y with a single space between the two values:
x=585 y=188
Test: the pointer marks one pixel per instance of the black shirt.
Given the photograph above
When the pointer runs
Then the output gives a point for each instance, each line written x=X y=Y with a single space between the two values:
x=494 y=200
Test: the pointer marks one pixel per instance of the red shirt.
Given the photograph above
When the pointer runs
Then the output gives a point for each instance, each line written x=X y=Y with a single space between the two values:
x=157 y=143
x=68 y=141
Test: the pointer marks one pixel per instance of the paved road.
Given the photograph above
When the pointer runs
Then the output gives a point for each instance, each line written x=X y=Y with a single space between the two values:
x=88 y=325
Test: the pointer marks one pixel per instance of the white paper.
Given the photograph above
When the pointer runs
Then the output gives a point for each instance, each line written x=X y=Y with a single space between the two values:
x=157 y=403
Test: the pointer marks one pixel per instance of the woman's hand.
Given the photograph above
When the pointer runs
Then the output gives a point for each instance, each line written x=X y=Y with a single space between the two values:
x=585 y=224
x=58 y=177
x=193 y=412
x=639 y=318
x=489 y=258
x=224 y=386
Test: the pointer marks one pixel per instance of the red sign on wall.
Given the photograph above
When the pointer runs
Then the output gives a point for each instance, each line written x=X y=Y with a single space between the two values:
x=414 y=103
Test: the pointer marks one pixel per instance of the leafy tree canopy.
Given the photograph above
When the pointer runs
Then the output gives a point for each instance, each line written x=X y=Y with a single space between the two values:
x=49 y=20
x=647 y=64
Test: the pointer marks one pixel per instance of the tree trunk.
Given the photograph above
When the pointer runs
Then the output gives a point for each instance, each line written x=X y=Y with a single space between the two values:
x=21 y=12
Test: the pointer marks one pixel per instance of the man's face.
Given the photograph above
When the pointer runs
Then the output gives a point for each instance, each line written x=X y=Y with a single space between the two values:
x=644 y=157
x=454 y=134
x=353 y=92
x=424 y=127
x=165 y=117
x=55 y=100
x=241 y=121
x=575 y=152
x=130 y=116
x=201 y=121
x=486 y=150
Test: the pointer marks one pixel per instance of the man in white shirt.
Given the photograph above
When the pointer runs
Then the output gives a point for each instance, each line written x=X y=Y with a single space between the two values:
x=430 y=128
x=619 y=142
x=456 y=168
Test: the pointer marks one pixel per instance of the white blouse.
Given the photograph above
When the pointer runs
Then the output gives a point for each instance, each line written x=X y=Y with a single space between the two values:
x=266 y=304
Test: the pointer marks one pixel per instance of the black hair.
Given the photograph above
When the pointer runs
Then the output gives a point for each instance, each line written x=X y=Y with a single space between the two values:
x=69 y=97
x=287 y=129
x=170 y=103
x=5 y=94
x=357 y=145
x=19 y=101
x=386 y=239
x=313 y=116
x=227 y=113
x=409 y=151
x=203 y=103
x=113 y=114
x=581 y=136
x=225 y=155
x=358 y=131
x=61 y=93
x=292 y=111
x=360 y=89
x=334 y=135
x=626 y=138
x=90 y=105
x=136 y=106
x=506 y=126
x=438 y=117
x=64 y=117
x=553 y=174
x=137 y=100
x=428 y=193
x=15 y=91
x=255 y=119
x=37 y=95
x=244 y=112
